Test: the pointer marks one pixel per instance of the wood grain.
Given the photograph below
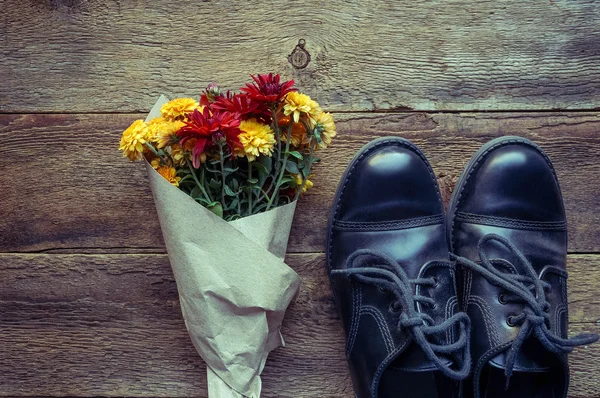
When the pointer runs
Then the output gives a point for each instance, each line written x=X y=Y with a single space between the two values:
x=67 y=188
x=93 y=55
x=74 y=324
x=74 y=74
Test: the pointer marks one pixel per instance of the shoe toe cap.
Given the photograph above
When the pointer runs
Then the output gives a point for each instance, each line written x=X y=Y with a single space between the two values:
x=515 y=181
x=392 y=181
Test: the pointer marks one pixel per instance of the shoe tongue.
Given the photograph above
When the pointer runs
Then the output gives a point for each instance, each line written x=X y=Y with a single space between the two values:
x=413 y=359
x=532 y=357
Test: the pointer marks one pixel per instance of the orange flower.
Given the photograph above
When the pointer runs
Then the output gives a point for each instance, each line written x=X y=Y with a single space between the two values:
x=298 y=136
x=170 y=174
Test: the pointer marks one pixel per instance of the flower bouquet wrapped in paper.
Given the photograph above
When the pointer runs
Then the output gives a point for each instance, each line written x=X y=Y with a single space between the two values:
x=225 y=173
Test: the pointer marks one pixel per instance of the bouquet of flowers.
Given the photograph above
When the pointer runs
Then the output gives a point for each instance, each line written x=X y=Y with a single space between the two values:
x=225 y=173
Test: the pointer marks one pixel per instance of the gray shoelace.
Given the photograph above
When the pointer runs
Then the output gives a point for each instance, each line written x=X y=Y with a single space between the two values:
x=384 y=272
x=528 y=289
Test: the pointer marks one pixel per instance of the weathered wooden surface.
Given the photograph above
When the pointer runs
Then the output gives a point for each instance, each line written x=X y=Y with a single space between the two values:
x=68 y=187
x=110 y=325
x=107 y=56
x=73 y=74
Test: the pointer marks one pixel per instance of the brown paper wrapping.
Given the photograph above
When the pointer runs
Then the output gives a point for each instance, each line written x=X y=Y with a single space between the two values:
x=233 y=285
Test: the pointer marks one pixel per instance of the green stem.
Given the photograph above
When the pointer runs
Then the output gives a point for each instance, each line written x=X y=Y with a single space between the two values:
x=251 y=189
x=277 y=137
x=198 y=182
x=310 y=158
x=282 y=171
x=221 y=162
x=155 y=152
x=202 y=181
x=265 y=195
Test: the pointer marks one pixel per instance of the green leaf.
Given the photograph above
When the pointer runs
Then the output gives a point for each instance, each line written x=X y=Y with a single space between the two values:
x=214 y=184
x=233 y=217
x=260 y=168
x=203 y=202
x=196 y=192
x=230 y=169
x=265 y=161
x=216 y=208
x=296 y=154
x=292 y=167
x=186 y=178
x=228 y=191
x=259 y=208
x=235 y=185
x=317 y=135
x=253 y=180
x=263 y=173
x=288 y=178
x=232 y=205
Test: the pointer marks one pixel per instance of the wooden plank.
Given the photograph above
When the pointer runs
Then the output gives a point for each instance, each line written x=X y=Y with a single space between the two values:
x=66 y=187
x=142 y=286
x=141 y=360
x=66 y=55
x=111 y=325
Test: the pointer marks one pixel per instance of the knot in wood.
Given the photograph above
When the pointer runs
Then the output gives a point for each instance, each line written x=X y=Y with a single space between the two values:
x=299 y=58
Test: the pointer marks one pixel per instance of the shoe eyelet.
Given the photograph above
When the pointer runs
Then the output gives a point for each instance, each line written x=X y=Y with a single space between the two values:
x=510 y=321
x=502 y=299
x=433 y=306
x=381 y=289
x=435 y=283
x=393 y=309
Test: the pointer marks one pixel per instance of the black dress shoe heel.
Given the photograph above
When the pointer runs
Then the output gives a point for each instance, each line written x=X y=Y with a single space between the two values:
x=391 y=277
x=508 y=235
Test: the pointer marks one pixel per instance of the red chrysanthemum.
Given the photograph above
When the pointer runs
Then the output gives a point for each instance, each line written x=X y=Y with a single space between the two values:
x=208 y=127
x=267 y=88
x=244 y=106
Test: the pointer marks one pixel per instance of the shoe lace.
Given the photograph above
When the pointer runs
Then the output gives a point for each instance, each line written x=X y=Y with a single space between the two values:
x=385 y=273
x=528 y=289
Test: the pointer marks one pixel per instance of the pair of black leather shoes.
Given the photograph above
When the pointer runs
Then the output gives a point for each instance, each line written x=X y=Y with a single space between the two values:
x=428 y=301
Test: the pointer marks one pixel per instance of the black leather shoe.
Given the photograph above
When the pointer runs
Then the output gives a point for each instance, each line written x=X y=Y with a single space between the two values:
x=391 y=277
x=507 y=228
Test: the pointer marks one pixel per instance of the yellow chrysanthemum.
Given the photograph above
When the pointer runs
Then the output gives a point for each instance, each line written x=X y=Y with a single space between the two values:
x=178 y=108
x=161 y=131
x=133 y=140
x=257 y=138
x=297 y=104
x=177 y=154
x=325 y=128
x=170 y=174
x=307 y=185
x=155 y=163
x=298 y=136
